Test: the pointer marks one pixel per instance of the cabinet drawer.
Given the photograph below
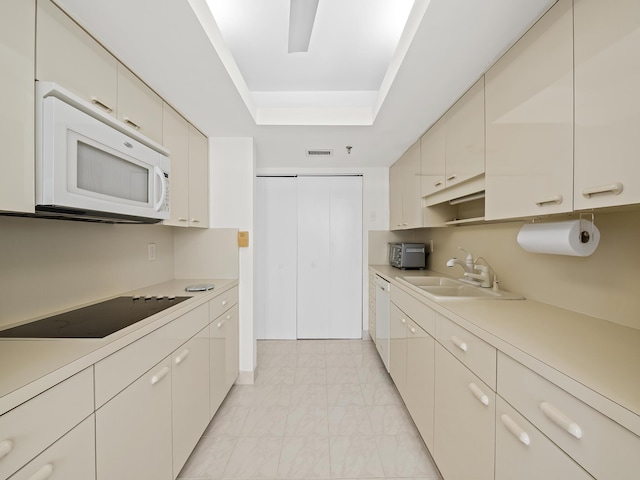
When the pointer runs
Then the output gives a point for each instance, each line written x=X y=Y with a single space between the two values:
x=524 y=453
x=418 y=311
x=222 y=303
x=72 y=457
x=603 y=447
x=31 y=427
x=476 y=354
x=122 y=368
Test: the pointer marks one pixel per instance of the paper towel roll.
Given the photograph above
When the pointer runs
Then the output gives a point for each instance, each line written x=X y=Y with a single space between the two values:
x=560 y=238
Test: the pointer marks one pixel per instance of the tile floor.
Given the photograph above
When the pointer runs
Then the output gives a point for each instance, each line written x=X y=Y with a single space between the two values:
x=319 y=409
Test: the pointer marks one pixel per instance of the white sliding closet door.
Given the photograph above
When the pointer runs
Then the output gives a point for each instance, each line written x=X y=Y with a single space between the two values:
x=329 y=257
x=276 y=257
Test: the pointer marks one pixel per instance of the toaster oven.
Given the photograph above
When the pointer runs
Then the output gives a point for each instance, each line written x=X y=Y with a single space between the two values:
x=407 y=255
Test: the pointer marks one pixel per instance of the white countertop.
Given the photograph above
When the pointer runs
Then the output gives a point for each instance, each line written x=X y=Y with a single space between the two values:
x=595 y=360
x=30 y=366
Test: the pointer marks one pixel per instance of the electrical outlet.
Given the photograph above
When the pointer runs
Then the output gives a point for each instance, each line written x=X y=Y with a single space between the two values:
x=151 y=251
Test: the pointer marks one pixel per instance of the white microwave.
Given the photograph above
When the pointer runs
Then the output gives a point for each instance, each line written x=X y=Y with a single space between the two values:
x=90 y=166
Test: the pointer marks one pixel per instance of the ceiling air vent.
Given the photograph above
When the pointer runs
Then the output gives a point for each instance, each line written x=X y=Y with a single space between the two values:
x=319 y=153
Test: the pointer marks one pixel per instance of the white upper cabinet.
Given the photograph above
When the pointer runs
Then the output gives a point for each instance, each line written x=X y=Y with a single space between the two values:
x=607 y=108
x=464 y=137
x=404 y=190
x=175 y=134
x=432 y=149
x=139 y=107
x=67 y=55
x=529 y=122
x=17 y=36
x=198 y=179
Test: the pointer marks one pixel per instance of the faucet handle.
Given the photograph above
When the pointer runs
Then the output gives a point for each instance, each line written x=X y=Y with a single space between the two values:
x=465 y=251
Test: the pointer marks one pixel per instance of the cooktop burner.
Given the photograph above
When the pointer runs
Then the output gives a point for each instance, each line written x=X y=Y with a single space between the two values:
x=94 y=321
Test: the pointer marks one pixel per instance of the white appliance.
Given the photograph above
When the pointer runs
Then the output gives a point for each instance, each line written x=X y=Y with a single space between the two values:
x=90 y=166
x=383 y=313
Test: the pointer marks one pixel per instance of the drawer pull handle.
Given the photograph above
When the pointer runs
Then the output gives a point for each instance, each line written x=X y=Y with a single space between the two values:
x=403 y=321
x=459 y=343
x=515 y=429
x=615 y=188
x=221 y=323
x=224 y=302
x=44 y=473
x=160 y=375
x=452 y=177
x=195 y=220
x=479 y=394
x=5 y=447
x=183 y=356
x=557 y=199
x=96 y=101
x=412 y=329
x=560 y=419
x=182 y=219
x=437 y=184
x=131 y=123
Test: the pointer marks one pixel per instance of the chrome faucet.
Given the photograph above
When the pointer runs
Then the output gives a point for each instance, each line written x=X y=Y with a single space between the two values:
x=483 y=276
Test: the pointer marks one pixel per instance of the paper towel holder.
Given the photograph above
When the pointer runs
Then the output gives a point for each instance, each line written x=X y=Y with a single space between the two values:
x=585 y=236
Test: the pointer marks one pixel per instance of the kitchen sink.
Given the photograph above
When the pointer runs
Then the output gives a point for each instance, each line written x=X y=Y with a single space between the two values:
x=442 y=288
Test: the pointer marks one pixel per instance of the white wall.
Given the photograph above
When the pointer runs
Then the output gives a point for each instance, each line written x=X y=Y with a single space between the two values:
x=232 y=174
x=375 y=208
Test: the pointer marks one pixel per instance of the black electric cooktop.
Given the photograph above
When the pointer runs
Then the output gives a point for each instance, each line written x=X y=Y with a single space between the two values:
x=94 y=321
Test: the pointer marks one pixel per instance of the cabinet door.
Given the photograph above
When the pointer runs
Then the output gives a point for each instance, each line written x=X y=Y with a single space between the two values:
x=411 y=191
x=529 y=96
x=420 y=399
x=67 y=55
x=133 y=430
x=231 y=348
x=17 y=37
x=395 y=196
x=198 y=179
x=523 y=452
x=217 y=358
x=189 y=396
x=432 y=149
x=175 y=136
x=464 y=136
x=139 y=107
x=464 y=435
x=69 y=458
x=607 y=105
x=398 y=349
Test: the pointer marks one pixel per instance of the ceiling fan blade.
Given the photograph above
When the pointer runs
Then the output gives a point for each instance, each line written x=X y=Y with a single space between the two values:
x=302 y=15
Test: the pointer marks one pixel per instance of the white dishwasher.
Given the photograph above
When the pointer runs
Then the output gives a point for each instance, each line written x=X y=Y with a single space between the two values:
x=383 y=301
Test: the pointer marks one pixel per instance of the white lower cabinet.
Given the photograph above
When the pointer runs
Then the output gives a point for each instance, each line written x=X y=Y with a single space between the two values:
x=398 y=348
x=464 y=436
x=189 y=396
x=223 y=357
x=72 y=457
x=133 y=430
x=524 y=453
x=420 y=380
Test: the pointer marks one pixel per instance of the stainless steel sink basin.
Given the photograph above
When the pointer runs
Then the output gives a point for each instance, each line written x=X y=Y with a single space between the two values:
x=442 y=288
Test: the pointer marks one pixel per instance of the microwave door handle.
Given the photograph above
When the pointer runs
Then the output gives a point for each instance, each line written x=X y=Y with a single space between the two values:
x=163 y=183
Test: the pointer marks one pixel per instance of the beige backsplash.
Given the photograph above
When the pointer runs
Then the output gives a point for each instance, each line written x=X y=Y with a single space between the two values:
x=50 y=265
x=605 y=285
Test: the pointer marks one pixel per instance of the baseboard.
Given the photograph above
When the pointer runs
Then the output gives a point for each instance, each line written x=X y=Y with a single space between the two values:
x=246 y=378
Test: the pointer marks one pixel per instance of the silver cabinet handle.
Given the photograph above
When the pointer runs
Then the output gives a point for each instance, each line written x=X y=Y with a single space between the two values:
x=160 y=375
x=462 y=345
x=438 y=183
x=182 y=357
x=44 y=473
x=195 y=220
x=479 y=394
x=615 y=188
x=452 y=177
x=99 y=103
x=558 y=417
x=131 y=123
x=5 y=447
x=182 y=219
x=515 y=429
x=403 y=320
x=557 y=199
x=412 y=329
